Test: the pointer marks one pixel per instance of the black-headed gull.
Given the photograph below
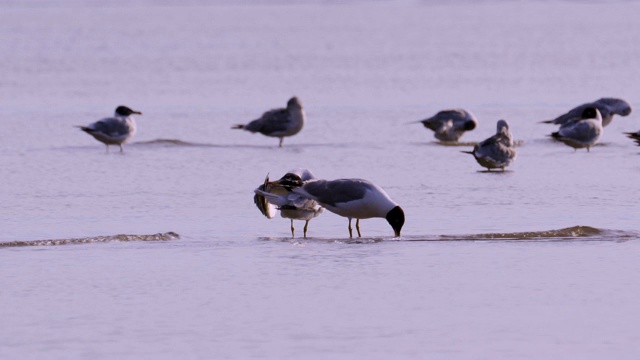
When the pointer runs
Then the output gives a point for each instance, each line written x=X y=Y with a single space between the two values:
x=608 y=107
x=449 y=125
x=291 y=205
x=353 y=199
x=115 y=130
x=278 y=123
x=498 y=151
x=582 y=132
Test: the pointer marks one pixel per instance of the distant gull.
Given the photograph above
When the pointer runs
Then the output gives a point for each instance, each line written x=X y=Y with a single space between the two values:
x=449 y=125
x=582 y=132
x=115 y=130
x=278 y=123
x=634 y=135
x=291 y=205
x=608 y=107
x=353 y=199
x=498 y=151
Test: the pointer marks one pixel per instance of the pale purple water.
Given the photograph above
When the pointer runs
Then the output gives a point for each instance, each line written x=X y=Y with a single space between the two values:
x=235 y=285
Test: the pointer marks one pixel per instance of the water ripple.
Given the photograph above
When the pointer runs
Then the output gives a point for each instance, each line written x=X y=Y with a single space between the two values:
x=97 y=239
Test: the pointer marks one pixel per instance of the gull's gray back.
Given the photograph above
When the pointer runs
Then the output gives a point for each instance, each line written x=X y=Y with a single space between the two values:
x=337 y=191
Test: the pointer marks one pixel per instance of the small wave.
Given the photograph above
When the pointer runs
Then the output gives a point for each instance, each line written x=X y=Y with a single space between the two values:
x=97 y=239
x=469 y=143
x=570 y=232
x=172 y=142
x=574 y=233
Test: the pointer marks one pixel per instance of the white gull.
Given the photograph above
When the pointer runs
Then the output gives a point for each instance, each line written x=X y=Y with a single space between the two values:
x=115 y=130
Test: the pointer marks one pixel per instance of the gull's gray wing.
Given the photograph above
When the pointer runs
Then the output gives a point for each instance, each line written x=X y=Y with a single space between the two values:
x=270 y=122
x=606 y=106
x=584 y=130
x=573 y=114
x=110 y=126
x=335 y=191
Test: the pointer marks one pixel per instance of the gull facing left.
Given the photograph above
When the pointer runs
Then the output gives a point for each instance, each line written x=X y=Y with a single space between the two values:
x=115 y=130
x=278 y=122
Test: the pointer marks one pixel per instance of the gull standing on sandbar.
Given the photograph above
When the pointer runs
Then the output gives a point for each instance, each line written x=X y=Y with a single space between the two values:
x=292 y=206
x=583 y=132
x=498 y=151
x=115 y=130
x=608 y=107
x=278 y=123
x=450 y=125
x=353 y=199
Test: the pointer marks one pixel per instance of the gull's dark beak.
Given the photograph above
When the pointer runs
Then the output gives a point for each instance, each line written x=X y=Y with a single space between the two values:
x=137 y=112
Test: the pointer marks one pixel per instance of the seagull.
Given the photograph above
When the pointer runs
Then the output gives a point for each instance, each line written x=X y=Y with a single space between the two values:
x=608 y=107
x=353 y=199
x=449 y=125
x=634 y=135
x=115 y=130
x=292 y=206
x=278 y=122
x=498 y=151
x=583 y=132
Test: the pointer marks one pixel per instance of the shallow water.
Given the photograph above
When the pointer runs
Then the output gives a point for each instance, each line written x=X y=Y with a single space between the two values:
x=535 y=262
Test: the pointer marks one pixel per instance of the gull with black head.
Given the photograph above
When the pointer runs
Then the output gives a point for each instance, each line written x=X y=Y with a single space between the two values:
x=583 y=132
x=115 y=130
x=353 y=199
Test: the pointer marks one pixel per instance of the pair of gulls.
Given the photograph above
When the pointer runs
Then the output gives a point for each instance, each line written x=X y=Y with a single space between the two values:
x=299 y=195
x=496 y=152
x=120 y=128
x=583 y=126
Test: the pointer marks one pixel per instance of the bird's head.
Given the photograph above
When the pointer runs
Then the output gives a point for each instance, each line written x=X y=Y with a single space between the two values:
x=395 y=218
x=125 y=111
x=289 y=181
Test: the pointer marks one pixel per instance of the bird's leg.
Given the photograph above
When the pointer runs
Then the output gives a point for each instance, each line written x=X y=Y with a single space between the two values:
x=350 y=230
x=358 y=227
x=121 y=149
x=306 y=225
x=281 y=139
x=107 y=148
x=292 y=229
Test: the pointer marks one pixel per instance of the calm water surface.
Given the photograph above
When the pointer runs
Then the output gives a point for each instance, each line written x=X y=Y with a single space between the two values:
x=234 y=284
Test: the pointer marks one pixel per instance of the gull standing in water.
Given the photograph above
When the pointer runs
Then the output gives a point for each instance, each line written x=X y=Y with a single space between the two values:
x=449 y=125
x=278 y=123
x=498 y=151
x=353 y=199
x=634 y=135
x=583 y=132
x=292 y=206
x=608 y=107
x=115 y=130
